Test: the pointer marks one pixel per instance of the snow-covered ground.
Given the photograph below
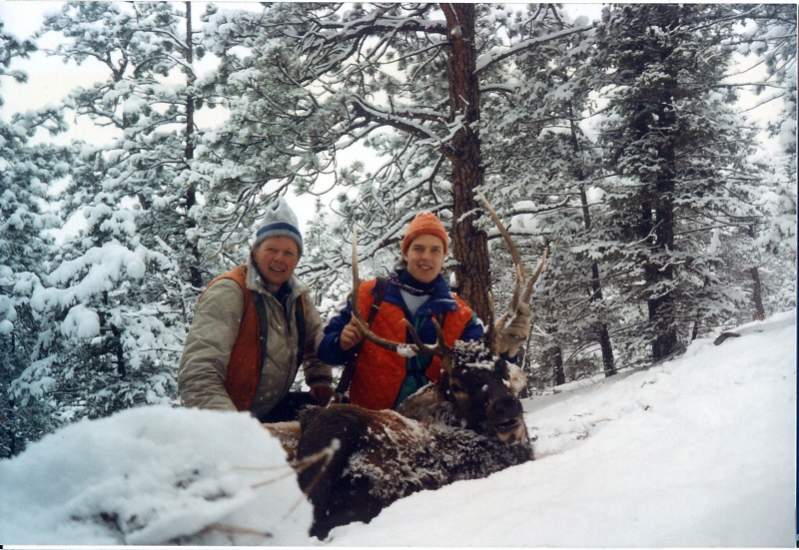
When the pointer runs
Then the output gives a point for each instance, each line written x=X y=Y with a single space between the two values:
x=699 y=451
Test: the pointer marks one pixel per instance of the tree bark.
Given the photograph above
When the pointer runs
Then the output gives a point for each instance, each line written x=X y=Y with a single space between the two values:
x=195 y=274
x=657 y=224
x=115 y=344
x=757 y=295
x=661 y=308
x=649 y=155
x=469 y=246
x=695 y=330
x=553 y=358
x=596 y=286
x=757 y=287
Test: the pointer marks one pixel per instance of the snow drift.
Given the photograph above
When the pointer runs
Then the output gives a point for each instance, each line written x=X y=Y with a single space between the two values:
x=154 y=475
x=698 y=451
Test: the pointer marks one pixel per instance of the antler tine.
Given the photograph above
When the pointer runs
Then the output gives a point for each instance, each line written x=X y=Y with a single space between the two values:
x=440 y=348
x=542 y=265
x=521 y=275
x=414 y=335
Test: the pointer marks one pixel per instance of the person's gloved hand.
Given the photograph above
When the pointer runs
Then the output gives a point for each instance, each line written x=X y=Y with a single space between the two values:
x=351 y=334
x=514 y=332
x=322 y=393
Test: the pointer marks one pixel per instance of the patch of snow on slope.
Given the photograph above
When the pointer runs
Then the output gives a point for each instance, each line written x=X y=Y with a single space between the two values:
x=150 y=476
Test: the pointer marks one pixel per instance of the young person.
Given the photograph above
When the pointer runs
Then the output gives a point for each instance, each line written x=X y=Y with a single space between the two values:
x=416 y=291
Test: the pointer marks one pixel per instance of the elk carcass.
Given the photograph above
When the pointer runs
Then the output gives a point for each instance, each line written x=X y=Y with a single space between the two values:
x=476 y=429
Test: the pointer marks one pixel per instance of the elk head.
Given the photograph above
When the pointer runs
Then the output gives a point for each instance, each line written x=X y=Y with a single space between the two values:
x=478 y=384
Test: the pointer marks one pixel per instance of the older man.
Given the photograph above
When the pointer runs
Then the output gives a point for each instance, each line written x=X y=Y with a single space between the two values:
x=253 y=327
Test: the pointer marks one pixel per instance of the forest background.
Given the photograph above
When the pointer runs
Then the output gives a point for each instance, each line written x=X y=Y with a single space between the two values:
x=649 y=148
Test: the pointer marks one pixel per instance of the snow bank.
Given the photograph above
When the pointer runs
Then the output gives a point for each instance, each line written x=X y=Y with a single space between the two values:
x=699 y=451
x=152 y=476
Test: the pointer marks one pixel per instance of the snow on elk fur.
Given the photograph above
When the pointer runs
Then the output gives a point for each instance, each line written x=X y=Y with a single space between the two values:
x=473 y=427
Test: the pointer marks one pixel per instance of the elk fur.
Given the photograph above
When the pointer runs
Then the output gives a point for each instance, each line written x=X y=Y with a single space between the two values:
x=383 y=456
x=441 y=434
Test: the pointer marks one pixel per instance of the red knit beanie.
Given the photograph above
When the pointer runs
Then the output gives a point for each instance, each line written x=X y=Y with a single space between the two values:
x=425 y=223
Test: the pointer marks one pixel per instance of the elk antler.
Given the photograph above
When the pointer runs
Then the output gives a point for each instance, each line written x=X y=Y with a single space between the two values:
x=521 y=272
x=522 y=281
x=401 y=348
x=440 y=348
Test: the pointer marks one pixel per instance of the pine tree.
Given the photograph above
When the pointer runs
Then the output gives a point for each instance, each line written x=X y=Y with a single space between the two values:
x=402 y=80
x=121 y=296
x=262 y=149
x=26 y=172
x=771 y=38
x=679 y=155
x=544 y=164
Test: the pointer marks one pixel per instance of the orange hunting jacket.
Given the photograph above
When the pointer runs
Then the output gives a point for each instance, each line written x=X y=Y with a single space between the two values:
x=379 y=372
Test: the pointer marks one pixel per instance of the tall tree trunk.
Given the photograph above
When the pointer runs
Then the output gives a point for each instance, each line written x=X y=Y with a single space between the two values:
x=757 y=287
x=652 y=141
x=195 y=274
x=119 y=351
x=115 y=344
x=661 y=308
x=695 y=330
x=553 y=358
x=657 y=226
x=757 y=295
x=469 y=245
x=601 y=328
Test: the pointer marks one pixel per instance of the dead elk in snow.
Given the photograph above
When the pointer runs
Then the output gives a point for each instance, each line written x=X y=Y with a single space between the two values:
x=353 y=462
x=477 y=429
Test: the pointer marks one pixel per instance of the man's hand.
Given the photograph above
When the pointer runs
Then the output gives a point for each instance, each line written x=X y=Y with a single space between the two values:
x=351 y=334
x=322 y=393
x=512 y=336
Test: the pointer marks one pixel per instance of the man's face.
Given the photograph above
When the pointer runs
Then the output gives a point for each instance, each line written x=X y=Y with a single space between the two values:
x=425 y=258
x=277 y=257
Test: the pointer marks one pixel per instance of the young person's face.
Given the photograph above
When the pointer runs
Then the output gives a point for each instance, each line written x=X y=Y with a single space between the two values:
x=425 y=258
x=277 y=257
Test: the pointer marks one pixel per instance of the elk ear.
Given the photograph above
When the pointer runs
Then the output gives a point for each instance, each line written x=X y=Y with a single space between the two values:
x=517 y=379
x=501 y=368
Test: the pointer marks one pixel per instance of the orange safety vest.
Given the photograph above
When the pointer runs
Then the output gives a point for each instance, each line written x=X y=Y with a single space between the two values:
x=244 y=364
x=379 y=372
x=241 y=381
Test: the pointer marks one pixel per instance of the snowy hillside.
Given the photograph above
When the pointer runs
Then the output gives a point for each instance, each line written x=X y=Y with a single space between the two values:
x=699 y=451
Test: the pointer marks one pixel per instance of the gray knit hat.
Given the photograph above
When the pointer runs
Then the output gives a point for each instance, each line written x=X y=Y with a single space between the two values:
x=280 y=221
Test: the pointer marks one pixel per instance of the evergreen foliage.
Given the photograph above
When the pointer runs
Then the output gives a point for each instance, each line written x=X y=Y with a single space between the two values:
x=26 y=244
x=118 y=297
x=678 y=154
